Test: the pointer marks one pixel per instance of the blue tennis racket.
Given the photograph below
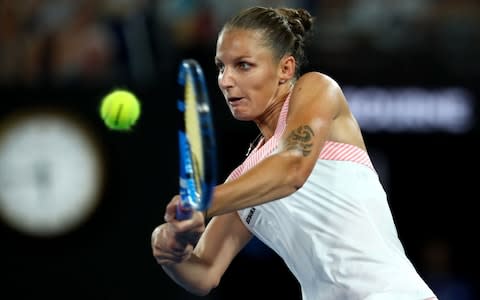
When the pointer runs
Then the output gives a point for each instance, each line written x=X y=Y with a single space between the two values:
x=196 y=136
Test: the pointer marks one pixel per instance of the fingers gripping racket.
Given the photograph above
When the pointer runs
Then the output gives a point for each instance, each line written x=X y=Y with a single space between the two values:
x=196 y=138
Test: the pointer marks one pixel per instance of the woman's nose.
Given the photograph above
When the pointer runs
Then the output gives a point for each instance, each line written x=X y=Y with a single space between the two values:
x=225 y=79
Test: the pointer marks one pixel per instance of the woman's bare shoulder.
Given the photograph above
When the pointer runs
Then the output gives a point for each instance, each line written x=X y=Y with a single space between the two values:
x=316 y=78
x=317 y=85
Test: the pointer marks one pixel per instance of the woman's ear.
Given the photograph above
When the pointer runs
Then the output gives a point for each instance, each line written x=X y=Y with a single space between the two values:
x=287 y=68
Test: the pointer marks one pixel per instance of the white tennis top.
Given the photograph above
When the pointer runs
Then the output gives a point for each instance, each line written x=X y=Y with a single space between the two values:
x=336 y=234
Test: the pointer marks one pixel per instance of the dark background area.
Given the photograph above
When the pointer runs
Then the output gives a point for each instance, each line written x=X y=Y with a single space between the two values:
x=68 y=56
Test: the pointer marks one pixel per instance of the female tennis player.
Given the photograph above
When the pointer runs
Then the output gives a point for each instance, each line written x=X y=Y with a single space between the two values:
x=308 y=189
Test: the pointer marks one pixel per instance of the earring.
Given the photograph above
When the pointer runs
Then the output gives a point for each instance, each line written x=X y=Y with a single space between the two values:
x=282 y=81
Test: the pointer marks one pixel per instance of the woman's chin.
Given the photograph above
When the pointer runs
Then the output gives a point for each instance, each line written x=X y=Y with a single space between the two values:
x=242 y=117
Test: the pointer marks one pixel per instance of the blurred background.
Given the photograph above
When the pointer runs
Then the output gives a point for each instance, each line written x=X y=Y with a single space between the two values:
x=78 y=202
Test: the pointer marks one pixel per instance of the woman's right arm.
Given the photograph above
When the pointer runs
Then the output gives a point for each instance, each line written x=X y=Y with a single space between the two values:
x=198 y=266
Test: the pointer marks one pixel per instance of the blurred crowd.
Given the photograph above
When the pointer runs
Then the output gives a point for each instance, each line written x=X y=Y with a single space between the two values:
x=68 y=43
x=62 y=42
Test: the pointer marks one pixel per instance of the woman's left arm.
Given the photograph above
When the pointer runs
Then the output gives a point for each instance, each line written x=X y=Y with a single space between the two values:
x=314 y=104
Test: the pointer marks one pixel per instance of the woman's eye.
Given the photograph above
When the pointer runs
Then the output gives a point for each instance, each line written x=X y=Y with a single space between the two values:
x=244 y=65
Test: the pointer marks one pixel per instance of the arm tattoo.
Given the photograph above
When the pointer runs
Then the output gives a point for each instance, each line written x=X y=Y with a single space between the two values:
x=301 y=139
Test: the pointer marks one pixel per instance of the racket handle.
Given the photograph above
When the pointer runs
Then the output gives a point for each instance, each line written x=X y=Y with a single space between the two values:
x=183 y=213
x=184 y=209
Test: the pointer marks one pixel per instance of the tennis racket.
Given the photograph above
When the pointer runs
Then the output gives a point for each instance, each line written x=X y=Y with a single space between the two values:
x=196 y=136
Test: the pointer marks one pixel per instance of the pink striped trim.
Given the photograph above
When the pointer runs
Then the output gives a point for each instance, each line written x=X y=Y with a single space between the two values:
x=334 y=151
x=345 y=152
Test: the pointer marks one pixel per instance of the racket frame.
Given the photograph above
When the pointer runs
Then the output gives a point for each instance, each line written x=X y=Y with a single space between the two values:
x=191 y=197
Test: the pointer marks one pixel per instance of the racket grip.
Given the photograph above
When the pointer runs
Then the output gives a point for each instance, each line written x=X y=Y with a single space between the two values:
x=183 y=213
x=184 y=209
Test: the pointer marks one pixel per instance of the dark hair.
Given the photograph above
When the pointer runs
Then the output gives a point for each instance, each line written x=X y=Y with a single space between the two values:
x=285 y=29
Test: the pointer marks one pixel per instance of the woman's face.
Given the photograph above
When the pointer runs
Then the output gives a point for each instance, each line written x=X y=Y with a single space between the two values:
x=248 y=74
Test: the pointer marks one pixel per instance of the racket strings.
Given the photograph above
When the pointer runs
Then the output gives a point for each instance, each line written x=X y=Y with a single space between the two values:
x=193 y=130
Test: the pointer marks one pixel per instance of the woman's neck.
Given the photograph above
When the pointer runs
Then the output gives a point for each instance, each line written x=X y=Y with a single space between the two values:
x=267 y=124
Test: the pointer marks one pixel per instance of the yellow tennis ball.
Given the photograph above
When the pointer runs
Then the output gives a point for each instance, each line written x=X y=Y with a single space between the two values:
x=120 y=109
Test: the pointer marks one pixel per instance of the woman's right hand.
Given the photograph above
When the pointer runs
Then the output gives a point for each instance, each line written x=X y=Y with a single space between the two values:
x=173 y=241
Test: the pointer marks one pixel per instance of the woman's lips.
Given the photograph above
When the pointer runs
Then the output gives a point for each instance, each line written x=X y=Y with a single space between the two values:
x=234 y=99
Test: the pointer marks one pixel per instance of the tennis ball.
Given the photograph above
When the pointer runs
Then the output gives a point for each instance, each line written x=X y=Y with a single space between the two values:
x=120 y=109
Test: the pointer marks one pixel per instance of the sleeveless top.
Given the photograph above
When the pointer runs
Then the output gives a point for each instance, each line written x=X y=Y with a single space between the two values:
x=336 y=233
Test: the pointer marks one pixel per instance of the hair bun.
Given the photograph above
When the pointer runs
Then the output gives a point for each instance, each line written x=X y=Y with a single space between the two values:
x=300 y=20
